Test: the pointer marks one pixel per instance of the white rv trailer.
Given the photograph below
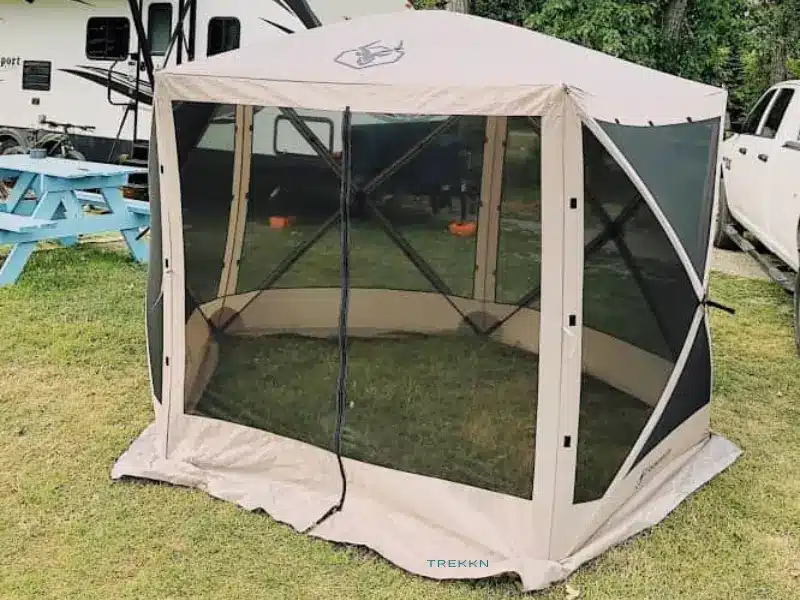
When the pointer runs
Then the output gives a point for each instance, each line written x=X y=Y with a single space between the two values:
x=90 y=69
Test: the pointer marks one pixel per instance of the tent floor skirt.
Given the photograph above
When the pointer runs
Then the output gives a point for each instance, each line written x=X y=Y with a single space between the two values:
x=355 y=525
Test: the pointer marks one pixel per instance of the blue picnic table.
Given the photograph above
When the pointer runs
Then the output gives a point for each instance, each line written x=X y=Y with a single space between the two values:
x=48 y=202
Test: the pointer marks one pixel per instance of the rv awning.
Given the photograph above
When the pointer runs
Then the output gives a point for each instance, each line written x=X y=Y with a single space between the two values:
x=438 y=62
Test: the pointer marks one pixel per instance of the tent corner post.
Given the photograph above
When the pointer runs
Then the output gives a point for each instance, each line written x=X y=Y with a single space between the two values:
x=491 y=191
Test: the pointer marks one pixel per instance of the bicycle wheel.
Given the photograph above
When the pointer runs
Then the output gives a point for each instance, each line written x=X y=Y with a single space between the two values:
x=15 y=150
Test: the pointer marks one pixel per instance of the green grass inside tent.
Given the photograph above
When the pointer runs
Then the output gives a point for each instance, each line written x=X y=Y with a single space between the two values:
x=454 y=407
x=460 y=407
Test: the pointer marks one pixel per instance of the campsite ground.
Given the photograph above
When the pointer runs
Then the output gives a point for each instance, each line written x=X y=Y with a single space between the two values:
x=74 y=394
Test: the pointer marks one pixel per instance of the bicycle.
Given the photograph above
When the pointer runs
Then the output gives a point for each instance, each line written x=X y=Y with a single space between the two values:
x=58 y=145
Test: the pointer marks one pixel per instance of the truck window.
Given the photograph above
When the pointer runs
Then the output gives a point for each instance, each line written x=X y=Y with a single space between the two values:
x=159 y=27
x=776 y=113
x=108 y=38
x=754 y=118
x=223 y=35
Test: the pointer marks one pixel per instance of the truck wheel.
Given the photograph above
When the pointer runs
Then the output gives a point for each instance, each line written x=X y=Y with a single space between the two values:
x=797 y=311
x=724 y=218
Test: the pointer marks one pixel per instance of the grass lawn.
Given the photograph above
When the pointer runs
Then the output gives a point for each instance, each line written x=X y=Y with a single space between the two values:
x=456 y=407
x=75 y=394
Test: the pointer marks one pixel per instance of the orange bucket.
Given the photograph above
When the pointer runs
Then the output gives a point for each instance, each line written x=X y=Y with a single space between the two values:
x=280 y=222
x=464 y=229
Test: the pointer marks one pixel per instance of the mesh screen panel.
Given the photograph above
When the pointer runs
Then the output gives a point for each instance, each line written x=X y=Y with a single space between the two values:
x=206 y=176
x=692 y=392
x=288 y=179
x=155 y=306
x=283 y=384
x=677 y=163
x=455 y=406
x=520 y=246
x=417 y=202
x=636 y=290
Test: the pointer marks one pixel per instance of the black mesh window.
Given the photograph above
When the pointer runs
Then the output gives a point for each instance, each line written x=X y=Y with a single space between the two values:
x=406 y=217
x=155 y=269
x=692 y=393
x=206 y=135
x=290 y=185
x=677 y=163
x=450 y=403
x=281 y=383
x=520 y=243
x=454 y=406
x=635 y=291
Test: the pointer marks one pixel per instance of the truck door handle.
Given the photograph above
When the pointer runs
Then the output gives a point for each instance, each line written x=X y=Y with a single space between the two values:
x=742 y=150
x=763 y=157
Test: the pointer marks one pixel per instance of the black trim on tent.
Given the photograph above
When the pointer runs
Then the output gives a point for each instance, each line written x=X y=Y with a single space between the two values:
x=154 y=296
x=341 y=383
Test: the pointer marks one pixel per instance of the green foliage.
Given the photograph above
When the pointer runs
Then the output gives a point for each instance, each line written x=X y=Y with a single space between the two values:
x=428 y=4
x=743 y=45
x=617 y=27
x=634 y=30
x=509 y=11
x=794 y=68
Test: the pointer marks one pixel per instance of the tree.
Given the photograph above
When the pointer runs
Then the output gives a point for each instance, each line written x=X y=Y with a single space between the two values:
x=744 y=45
x=620 y=28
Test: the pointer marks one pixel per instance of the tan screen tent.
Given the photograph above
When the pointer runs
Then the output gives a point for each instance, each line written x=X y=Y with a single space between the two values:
x=515 y=396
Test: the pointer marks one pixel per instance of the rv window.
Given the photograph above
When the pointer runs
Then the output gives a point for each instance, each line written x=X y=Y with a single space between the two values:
x=287 y=139
x=159 y=27
x=108 y=38
x=223 y=35
x=36 y=75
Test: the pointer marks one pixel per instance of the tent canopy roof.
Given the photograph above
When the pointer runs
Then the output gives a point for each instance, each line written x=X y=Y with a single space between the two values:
x=477 y=65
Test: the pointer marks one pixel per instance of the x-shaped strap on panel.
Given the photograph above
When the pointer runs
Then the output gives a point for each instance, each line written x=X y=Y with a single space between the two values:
x=362 y=195
x=593 y=246
x=617 y=236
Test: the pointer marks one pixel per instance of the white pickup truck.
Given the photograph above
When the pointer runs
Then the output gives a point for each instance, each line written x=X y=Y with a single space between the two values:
x=760 y=188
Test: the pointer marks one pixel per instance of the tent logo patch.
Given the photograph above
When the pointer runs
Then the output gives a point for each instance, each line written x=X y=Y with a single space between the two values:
x=374 y=54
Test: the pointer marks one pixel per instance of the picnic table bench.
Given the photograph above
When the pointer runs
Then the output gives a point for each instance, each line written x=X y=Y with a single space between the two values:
x=47 y=203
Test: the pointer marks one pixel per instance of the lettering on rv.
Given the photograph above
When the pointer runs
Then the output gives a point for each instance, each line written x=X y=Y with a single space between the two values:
x=7 y=62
